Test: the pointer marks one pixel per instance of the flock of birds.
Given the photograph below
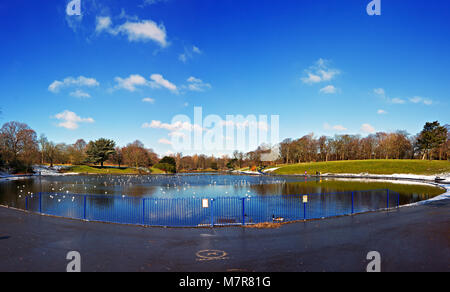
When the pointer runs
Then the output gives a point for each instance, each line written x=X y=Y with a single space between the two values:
x=194 y=186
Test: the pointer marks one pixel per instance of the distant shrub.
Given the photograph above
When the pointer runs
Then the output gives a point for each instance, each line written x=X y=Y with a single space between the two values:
x=165 y=167
x=168 y=160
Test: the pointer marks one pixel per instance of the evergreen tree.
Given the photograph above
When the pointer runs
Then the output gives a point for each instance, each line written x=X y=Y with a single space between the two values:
x=169 y=160
x=100 y=150
x=432 y=137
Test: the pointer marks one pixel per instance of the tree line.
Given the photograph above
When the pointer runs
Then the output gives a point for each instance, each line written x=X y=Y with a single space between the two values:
x=432 y=143
x=20 y=149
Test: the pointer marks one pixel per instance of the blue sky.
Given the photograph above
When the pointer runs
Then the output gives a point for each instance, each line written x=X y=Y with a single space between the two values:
x=322 y=66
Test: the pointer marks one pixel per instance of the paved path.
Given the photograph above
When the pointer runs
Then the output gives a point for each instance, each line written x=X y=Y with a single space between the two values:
x=409 y=239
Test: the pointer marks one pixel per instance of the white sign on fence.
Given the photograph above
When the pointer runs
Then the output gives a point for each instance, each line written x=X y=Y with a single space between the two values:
x=305 y=199
x=205 y=203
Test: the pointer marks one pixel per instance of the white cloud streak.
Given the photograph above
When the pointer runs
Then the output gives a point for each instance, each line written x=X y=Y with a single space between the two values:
x=57 y=85
x=416 y=99
x=338 y=128
x=148 y=100
x=158 y=81
x=130 y=83
x=70 y=120
x=189 y=53
x=320 y=72
x=367 y=128
x=80 y=94
x=134 y=81
x=330 y=89
x=136 y=31
x=175 y=127
x=196 y=84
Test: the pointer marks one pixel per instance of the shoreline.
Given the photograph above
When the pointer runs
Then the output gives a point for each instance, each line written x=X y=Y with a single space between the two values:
x=398 y=177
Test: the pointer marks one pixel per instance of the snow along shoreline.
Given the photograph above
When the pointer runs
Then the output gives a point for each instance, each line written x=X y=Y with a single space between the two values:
x=392 y=178
x=39 y=170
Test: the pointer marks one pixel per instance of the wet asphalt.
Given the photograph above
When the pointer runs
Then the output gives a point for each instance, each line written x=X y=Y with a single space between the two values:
x=408 y=239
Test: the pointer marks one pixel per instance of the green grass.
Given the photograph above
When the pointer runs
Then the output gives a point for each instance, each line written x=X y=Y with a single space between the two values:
x=419 y=167
x=334 y=186
x=156 y=171
x=83 y=169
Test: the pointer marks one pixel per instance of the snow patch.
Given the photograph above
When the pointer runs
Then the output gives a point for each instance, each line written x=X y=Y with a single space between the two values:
x=270 y=169
x=51 y=171
x=400 y=182
x=444 y=196
x=445 y=176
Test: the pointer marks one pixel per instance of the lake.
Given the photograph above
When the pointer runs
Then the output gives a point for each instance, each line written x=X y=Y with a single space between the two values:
x=176 y=200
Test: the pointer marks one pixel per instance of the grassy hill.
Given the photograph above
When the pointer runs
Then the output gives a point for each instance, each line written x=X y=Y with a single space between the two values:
x=419 y=167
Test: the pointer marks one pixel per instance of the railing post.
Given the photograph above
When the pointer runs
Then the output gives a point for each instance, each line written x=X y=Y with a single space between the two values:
x=143 y=211
x=40 y=203
x=84 y=207
x=353 y=202
x=243 y=211
x=398 y=200
x=26 y=203
x=387 y=203
x=304 y=211
x=212 y=213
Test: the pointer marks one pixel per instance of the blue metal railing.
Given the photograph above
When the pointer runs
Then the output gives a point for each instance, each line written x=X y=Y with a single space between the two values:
x=221 y=211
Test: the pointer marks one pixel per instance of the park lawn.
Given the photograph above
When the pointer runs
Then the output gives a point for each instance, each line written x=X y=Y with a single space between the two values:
x=156 y=171
x=208 y=170
x=107 y=170
x=418 y=167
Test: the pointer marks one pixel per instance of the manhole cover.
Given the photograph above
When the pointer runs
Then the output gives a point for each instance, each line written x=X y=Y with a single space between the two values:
x=211 y=255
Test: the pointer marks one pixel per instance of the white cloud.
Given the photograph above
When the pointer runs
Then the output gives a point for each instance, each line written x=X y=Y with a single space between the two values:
x=70 y=120
x=196 y=84
x=194 y=80
x=151 y=2
x=174 y=127
x=131 y=82
x=312 y=78
x=148 y=100
x=57 y=85
x=103 y=23
x=189 y=53
x=398 y=101
x=381 y=112
x=136 y=30
x=379 y=91
x=80 y=94
x=145 y=30
x=330 y=89
x=338 y=128
x=159 y=81
x=366 y=128
x=164 y=141
x=196 y=50
x=418 y=99
x=320 y=72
